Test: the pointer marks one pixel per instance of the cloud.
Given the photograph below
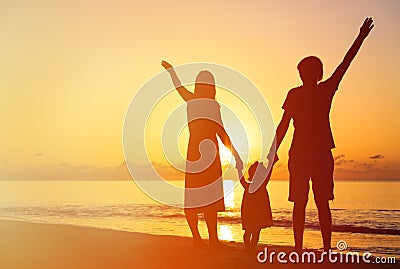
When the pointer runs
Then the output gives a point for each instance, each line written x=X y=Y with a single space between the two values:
x=153 y=170
x=341 y=156
x=368 y=169
x=377 y=156
x=341 y=159
x=38 y=154
x=354 y=165
x=365 y=166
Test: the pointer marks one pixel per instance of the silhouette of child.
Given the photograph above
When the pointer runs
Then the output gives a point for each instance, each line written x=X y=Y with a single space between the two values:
x=256 y=210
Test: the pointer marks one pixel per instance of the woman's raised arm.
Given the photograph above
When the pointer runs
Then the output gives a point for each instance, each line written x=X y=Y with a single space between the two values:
x=183 y=92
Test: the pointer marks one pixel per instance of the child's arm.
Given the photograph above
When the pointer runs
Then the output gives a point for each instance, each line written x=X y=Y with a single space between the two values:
x=244 y=183
x=348 y=58
x=266 y=180
x=183 y=92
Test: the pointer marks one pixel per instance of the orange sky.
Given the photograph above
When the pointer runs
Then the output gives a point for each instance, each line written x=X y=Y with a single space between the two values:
x=70 y=68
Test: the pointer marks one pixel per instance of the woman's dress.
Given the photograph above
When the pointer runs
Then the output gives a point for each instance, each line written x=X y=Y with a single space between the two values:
x=203 y=176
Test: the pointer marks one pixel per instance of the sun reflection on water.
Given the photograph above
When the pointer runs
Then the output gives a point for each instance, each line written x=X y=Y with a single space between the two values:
x=225 y=233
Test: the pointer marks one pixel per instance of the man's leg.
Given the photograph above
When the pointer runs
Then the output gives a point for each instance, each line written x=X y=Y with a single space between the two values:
x=298 y=193
x=299 y=217
x=322 y=178
x=325 y=222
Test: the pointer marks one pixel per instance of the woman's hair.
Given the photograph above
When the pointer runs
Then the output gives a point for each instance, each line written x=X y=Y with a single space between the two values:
x=310 y=69
x=205 y=85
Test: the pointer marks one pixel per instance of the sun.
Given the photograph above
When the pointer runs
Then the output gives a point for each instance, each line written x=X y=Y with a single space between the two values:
x=224 y=154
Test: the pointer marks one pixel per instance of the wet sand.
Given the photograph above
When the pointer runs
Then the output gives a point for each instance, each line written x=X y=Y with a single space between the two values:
x=32 y=245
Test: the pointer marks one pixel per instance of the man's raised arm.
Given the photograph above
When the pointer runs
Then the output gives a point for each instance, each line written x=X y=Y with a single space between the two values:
x=348 y=58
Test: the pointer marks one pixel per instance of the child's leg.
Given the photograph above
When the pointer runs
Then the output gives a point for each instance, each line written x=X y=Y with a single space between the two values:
x=246 y=238
x=254 y=238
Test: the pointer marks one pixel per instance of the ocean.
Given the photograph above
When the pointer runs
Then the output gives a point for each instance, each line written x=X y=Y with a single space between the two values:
x=366 y=214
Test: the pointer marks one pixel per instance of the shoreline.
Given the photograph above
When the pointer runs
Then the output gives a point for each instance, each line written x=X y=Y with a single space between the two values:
x=39 y=245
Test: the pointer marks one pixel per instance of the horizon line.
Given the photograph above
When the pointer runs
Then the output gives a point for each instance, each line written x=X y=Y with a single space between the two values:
x=275 y=179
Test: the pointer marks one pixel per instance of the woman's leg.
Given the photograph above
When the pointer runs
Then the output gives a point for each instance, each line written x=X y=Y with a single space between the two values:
x=211 y=221
x=246 y=239
x=255 y=236
x=192 y=219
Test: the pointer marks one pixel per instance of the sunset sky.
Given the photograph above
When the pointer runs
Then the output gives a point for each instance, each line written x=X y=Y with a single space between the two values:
x=70 y=69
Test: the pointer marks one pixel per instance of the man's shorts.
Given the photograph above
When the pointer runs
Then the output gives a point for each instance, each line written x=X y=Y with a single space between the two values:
x=319 y=167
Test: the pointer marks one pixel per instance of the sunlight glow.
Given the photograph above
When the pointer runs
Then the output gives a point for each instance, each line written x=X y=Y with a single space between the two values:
x=225 y=232
x=229 y=194
x=225 y=154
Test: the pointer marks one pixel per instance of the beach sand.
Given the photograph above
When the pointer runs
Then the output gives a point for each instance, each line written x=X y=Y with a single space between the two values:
x=32 y=245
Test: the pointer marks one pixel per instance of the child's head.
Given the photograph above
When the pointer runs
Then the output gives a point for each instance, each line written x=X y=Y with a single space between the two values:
x=310 y=69
x=258 y=168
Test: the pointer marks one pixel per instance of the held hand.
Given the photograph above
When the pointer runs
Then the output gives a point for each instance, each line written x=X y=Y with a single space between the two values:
x=166 y=65
x=239 y=163
x=366 y=27
x=272 y=157
x=240 y=174
x=238 y=160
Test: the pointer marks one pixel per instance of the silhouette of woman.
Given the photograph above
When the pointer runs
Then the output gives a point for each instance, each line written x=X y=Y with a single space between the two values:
x=203 y=175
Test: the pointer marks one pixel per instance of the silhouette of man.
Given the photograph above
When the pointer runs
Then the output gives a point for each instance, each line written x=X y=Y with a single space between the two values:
x=310 y=153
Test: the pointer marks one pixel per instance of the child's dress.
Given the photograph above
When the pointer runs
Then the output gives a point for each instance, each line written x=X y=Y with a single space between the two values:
x=256 y=209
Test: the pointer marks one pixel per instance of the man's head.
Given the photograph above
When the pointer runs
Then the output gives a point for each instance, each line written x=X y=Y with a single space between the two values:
x=311 y=70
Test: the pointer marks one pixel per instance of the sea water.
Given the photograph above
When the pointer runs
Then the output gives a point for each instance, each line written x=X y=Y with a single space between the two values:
x=366 y=214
